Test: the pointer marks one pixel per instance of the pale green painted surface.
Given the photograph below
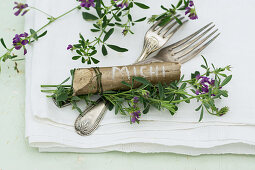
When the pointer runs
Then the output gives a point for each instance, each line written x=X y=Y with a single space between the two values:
x=15 y=154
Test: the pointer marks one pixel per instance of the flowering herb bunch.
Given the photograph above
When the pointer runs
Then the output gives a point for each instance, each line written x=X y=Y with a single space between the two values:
x=205 y=88
x=105 y=18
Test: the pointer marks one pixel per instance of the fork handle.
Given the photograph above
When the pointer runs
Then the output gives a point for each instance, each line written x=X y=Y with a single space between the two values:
x=143 y=55
x=151 y=45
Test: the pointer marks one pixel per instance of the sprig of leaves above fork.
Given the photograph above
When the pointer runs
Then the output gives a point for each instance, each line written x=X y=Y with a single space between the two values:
x=170 y=13
x=205 y=88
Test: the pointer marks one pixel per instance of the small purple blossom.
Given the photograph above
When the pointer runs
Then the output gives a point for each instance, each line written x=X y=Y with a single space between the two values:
x=191 y=3
x=123 y=4
x=135 y=100
x=87 y=3
x=69 y=47
x=19 y=41
x=135 y=116
x=20 y=7
x=191 y=11
x=135 y=112
x=205 y=82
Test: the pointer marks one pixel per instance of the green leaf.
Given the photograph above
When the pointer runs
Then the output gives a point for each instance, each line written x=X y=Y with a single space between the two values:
x=2 y=41
x=34 y=34
x=94 y=30
x=76 y=107
x=161 y=91
x=164 y=8
x=95 y=61
x=142 y=80
x=130 y=17
x=178 y=20
x=205 y=61
x=116 y=17
x=89 y=60
x=224 y=93
x=116 y=109
x=76 y=57
x=65 y=81
x=201 y=114
x=93 y=52
x=89 y=17
x=110 y=106
x=140 y=20
x=226 y=80
x=83 y=60
x=146 y=109
x=199 y=107
x=108 y=34
x=126 y=84
x=117 y=48
x=183 y=86
x=110 y=92
x=78 y=52
x=62 y=97
x=141 y=5
x=165 y=21
x=104 y=50
x=98 y=8
x=43 y=34
x=179 y=3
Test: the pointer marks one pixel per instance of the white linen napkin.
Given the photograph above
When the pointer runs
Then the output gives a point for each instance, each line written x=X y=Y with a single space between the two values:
x=51 y=61
x=47 y=129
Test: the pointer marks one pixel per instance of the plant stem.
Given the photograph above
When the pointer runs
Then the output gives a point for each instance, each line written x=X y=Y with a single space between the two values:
x=41 y=11
x=54 y=19
x=56 y=85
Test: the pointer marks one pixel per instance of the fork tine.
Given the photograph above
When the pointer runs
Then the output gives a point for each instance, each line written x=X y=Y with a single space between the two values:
x=189 y=37
x=174 y=31
x=155 y=25
x=190 y=49
x=170 y=26
x=159 y=30
x=194 y=40
x=189 y=57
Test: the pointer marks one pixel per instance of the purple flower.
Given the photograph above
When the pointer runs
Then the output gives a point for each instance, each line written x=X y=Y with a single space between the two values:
x=20 y=7
x=19 y=41
x=87 y=3
x=69 y=47
x=123 y=4
x=205 y=82
x=191 y=3
x=191 y=11
x=135 y=99
x=135 y=116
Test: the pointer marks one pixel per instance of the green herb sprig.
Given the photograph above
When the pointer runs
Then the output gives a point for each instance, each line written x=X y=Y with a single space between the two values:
x=204 y=88
x=105 y=20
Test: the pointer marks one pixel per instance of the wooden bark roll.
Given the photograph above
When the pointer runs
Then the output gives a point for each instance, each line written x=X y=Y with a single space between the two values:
x=85 y=80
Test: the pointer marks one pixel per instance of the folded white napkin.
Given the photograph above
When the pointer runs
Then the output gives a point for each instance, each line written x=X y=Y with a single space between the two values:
x=52 y=62
x=51 y=129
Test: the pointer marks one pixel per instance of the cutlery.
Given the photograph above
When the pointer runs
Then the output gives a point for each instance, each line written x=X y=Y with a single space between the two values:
x=155 y=38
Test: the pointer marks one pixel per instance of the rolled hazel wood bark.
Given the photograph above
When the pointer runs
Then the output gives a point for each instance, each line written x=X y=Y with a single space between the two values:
x=85 y=80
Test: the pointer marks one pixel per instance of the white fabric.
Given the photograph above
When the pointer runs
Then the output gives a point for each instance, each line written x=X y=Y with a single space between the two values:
x=48 y=62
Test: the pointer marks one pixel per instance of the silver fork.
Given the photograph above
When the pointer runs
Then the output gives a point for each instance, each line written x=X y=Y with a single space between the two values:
x=155 y=38
x=185 y=49
x=181 y=52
